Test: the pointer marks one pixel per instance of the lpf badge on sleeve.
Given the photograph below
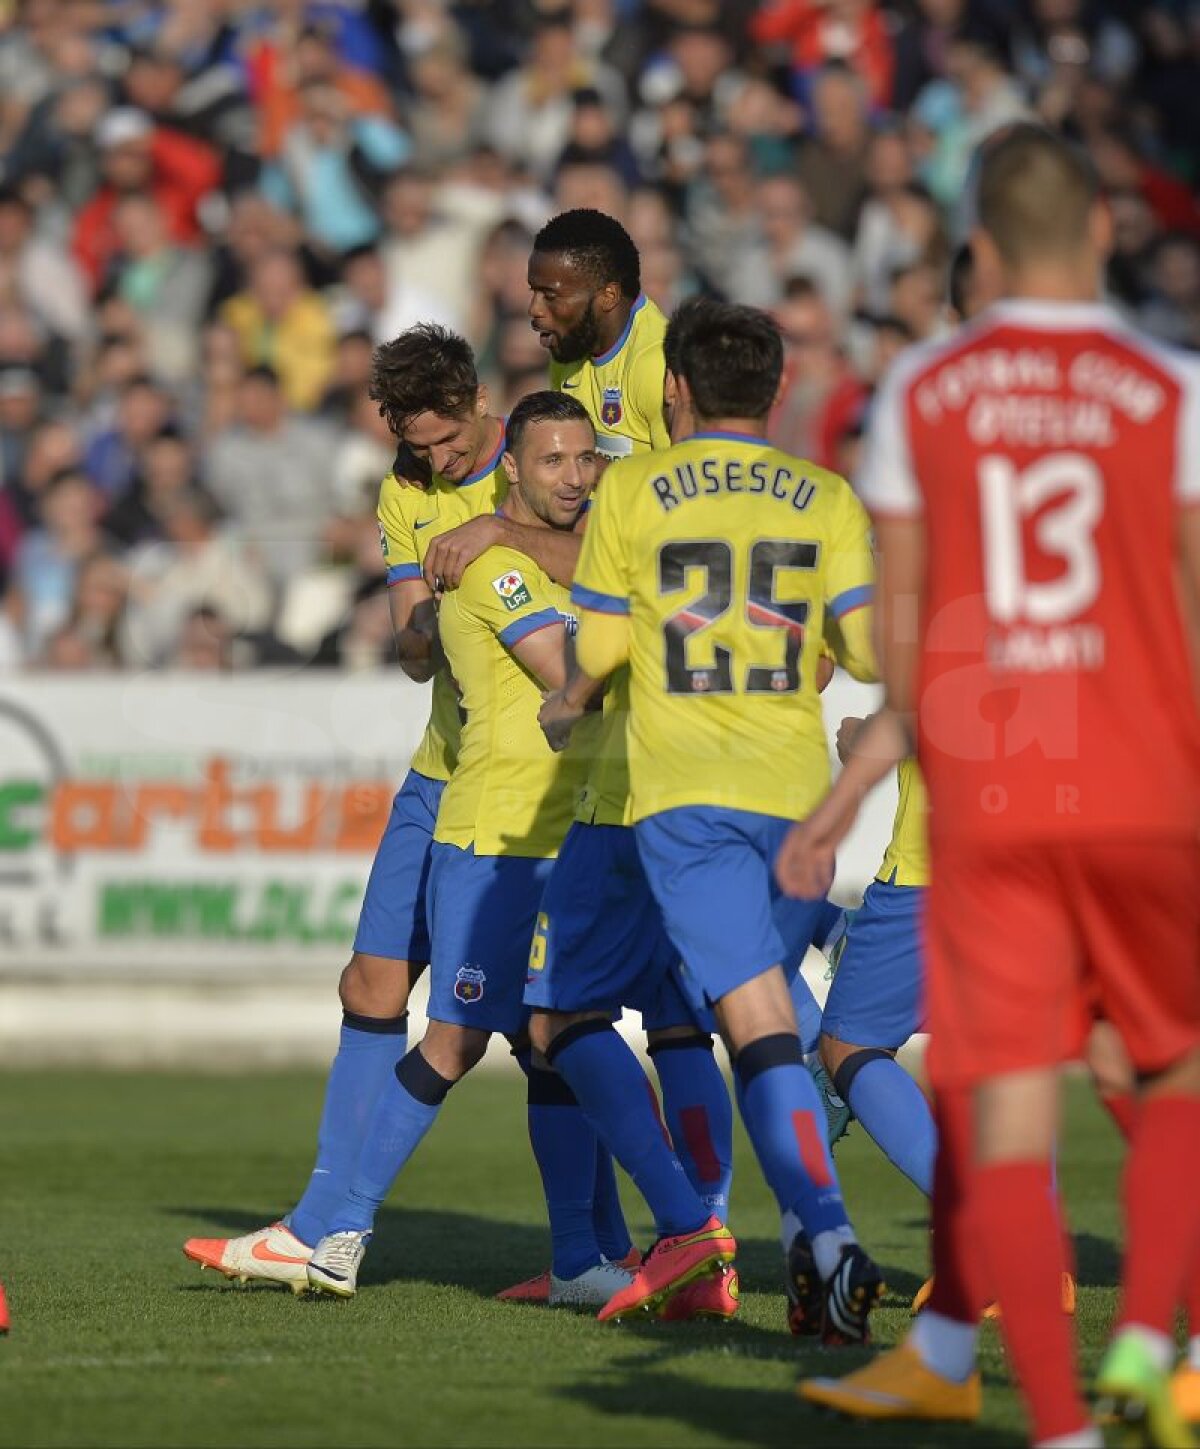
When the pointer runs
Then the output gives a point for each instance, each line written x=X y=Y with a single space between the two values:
x=514 y=591
x=611 y=411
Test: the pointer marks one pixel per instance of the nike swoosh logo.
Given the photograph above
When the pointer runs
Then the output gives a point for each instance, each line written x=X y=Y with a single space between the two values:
x=570 y=384
x=268 y=1255
x=423 y=523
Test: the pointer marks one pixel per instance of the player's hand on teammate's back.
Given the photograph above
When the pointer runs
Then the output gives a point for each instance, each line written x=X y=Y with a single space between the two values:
x=558 y=717
x=848 y=732
x=452 y=553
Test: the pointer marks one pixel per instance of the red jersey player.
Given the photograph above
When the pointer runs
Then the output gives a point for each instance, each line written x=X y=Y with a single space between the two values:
x=1034 y=484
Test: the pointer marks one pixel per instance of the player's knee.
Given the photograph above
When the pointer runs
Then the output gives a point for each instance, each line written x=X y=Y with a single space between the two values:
x=848 y=1062
x=453 y=1051
x=541 y=1031
x=374 y=986
x=1108 y=1061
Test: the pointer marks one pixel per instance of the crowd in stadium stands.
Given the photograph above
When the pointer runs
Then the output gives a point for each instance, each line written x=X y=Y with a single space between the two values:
x=210 y=210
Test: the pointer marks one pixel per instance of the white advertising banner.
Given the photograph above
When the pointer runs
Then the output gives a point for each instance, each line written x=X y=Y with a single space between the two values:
x=194 y=826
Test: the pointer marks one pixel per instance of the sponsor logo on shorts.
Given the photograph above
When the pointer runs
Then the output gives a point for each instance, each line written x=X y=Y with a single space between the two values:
x=513 y=589
x=611 y=409
x=469 y=982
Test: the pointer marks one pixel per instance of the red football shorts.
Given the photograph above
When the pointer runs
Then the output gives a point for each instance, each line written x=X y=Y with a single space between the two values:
x=1026 y=944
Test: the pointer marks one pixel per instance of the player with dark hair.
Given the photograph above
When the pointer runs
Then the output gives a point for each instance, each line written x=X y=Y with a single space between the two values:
x=426 y=385
x=503 y=814
x=604 y=335
x=710 y=569
x=1065 y=872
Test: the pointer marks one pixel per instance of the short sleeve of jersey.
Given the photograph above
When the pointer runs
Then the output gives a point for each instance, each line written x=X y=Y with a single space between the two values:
x=850 y=563
x=601 y=575
x=887 y=482
x=508 y=593
x=396 y=512
x=648 y=370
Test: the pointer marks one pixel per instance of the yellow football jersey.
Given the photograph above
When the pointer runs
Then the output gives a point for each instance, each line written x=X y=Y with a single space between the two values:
x=906 y=860
x=511 y=794
x=711 y=568
x=622 y=389
x=409 y=519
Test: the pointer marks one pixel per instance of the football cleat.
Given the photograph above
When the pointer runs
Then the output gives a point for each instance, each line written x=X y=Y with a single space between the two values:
x=594 y=1286
x=715 y=1295
x=1185 y=1393
x=805 y=1295
x=1134 y=1393
x=669 y=1264
x=333 y=1267
x=532 y=1290
x=838 y=1115
x=270 y=1255
x=4 y=1322
x=992 y=1311
x=896 y=1385
x=537 y=1289
x=854 y=1288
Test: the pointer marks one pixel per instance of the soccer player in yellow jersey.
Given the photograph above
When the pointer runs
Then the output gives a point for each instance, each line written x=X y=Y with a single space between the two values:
x=711 y=568
x=504 y=632
x=604 y=335
x=427 y=388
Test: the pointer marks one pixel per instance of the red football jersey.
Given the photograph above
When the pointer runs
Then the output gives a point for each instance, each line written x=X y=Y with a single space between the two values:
x=1048 y=449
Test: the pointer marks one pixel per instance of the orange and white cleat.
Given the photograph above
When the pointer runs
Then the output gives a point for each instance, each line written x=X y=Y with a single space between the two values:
x=713 y=1296
x=270 y=1255
x=668 y=1266
x=1185 y=1393
x=896 y=1385
x=537 y=1289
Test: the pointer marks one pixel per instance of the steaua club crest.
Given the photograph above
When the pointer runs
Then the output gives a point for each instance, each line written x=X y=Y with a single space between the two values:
x=469 y=982
x=611 y=411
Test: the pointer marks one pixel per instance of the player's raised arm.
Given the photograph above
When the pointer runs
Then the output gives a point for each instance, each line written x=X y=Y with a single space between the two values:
x=451 y=554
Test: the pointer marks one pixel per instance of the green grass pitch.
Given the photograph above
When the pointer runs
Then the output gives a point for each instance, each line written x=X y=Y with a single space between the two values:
x=118 y=1340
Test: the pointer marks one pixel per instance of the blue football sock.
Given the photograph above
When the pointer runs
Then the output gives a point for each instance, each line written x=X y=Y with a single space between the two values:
x=564 y=1144
x=617 y=1097
x=786 y=1123
x=407 y=1108
x=608 y=1216
x=368 y=1050
x=699 y=1115
x=893 y=1110
x=808 y=1013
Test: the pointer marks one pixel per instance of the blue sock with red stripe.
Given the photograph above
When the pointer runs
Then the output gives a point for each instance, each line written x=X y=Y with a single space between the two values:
x=699 y=1115
x=786 y=1123
x=619 y=1101
x=368 y=1049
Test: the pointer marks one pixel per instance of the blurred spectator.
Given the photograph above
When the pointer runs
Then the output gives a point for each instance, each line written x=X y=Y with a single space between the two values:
x=49 y=557
x=449 y=110
x=111 y=457
x=280 y=72
x=365 y=640
x=97 y=613
x=165 y=469
x=37 y=272
x=1173 y=312
x=52 y=448
x=205 y=641
x=208 y=104
x=722 y=211
x=20 y=411
x=284 y=325
x=165 y=284
x=855 y=32
x=978 y=97
x=270 y=475
x=788 y=245
x=137 y=157
x=531 y=109
x=594 y=138
x=833 y=162
x=197 y=564
x=917 y=298
x=329 y=166
x=819 y=392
